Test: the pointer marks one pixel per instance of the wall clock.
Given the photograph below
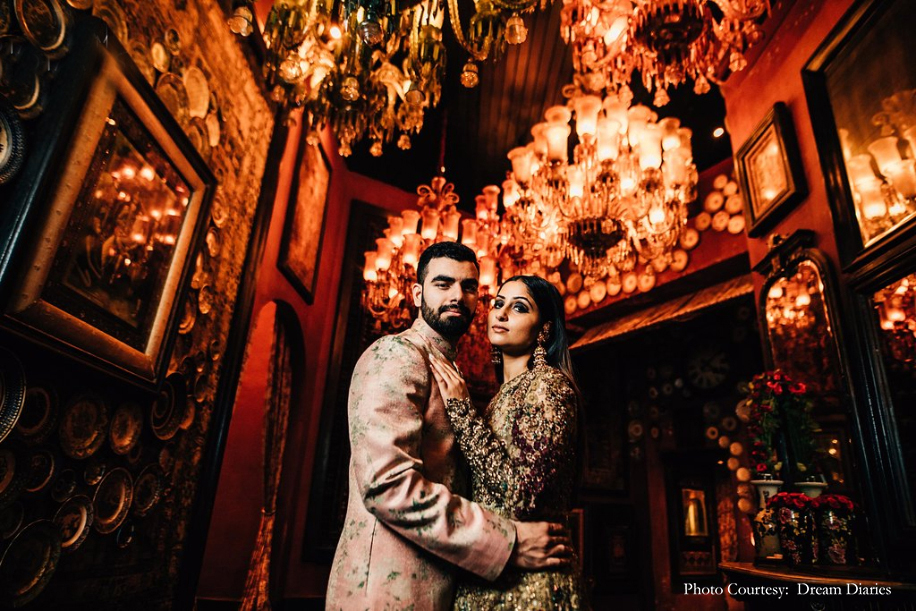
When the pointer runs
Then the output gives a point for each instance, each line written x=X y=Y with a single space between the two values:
x=708 y=367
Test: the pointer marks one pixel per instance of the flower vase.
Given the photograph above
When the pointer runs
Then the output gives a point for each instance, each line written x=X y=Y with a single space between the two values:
x=766 y=537
x=766 y=489
x=834 y=533
x=793 y=534
x=811 y=489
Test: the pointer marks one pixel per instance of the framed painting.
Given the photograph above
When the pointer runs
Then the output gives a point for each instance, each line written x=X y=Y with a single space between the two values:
x=305 y=214
x=119 y=198
x=861 y=98
x=770 y=171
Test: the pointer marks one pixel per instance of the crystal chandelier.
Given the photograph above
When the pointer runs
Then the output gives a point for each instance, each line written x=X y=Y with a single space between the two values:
x=369 y=68
x=623 y=198
x=391 y=269
x=667 y=41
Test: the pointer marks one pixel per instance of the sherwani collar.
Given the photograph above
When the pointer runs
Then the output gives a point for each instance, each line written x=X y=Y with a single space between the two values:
x=447 y=348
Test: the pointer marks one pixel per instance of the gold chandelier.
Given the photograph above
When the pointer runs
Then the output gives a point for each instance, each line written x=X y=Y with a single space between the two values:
x=623 y=198
x=391 y=269
x=667 y=41
x=370 y=68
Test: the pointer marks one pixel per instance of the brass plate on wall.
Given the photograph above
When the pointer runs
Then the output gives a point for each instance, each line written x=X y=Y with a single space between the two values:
x=83 y=426
x=112 y=500
x=29 y=563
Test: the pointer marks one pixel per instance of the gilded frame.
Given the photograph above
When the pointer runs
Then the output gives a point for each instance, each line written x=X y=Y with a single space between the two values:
x=770 y=171
x=103 y=87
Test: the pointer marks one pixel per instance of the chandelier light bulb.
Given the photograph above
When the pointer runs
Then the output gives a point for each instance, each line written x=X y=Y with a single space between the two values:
x=469 y=75
x=516 y=32
x=349 y=89
x=241 y=22
x=370 y=30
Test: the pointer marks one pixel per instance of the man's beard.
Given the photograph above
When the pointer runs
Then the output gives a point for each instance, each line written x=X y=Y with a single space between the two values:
x=450 y=327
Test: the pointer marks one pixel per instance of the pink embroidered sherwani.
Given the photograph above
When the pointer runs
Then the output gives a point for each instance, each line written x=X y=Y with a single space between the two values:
x=406 y=528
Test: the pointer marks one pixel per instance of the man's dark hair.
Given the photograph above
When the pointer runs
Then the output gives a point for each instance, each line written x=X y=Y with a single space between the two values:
x=444 y=250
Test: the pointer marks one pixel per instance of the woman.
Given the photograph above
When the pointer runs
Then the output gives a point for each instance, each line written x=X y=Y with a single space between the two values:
x=521 y=451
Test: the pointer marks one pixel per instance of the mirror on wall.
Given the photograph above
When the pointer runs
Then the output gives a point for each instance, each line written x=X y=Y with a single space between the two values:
x=801 y=328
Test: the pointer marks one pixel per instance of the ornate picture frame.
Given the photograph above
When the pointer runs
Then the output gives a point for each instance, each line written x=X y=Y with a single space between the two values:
x=118 y=198
x=860 y=96
x=770 y=172
x=306 y=212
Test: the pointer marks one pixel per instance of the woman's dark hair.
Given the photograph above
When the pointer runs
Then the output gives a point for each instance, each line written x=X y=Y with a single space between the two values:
x=550 y=305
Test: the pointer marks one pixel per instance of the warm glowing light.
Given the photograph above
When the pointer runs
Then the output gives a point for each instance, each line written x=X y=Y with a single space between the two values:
x=335 y=32
x=718 y=132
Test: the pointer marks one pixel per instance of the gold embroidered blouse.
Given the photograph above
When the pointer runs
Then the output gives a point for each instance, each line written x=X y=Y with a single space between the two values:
x=522 y=459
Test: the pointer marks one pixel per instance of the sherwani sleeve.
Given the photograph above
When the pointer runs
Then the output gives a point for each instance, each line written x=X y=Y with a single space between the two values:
x=543 y=437
x=388 y=395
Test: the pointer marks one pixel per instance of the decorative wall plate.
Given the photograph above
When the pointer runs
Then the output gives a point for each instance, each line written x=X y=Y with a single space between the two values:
x=736 y=224
x=201 y=387
x=574 y=282
x=583 y=300
x=12 y=142
x=135 y=456
x=690 y=238
x=44 y=24
x=125 y=535
x=6 y=18
x=598 y=292
x=199 y=137
x=205 y=299
x=173 y=94
x=95 y=470
x=679 y=260
x=190 y=314
x=198 y=92
x=160 y=57
x=39 y=415
x=702 y=221
x=74 y=519
x=570 y=304
x=734 y=204
x=11 y=520
x=29 y=563
x=148 y=489
x=215 y=349
x=42 y=464
x=214 y=242
x=168 y=408
x=720 y=220
x=214 y=129
x=109 y=12
x=646 y=282
x=12 y=391
x=140 y=53
x=22 y=80
x=14 y=473
x=112 y=500
x=713 y=202
x=172 y=41
x=83 y=426
x=64 y=486
x=126 y=426
x=218 y=211
x=613 y=285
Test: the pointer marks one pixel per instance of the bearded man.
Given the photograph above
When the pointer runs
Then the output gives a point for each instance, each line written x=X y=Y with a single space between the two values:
x=408 y=529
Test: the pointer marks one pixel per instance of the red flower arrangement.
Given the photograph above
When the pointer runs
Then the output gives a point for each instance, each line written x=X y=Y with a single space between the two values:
x=774 y=398
x=840 y=504
x=797 y=501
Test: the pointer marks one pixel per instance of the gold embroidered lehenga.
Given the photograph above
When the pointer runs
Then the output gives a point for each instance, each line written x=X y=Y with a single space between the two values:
x=522 y=459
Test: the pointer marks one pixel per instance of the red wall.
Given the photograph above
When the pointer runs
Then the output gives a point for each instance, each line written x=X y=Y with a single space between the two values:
x=237 y=509
x=776 y=77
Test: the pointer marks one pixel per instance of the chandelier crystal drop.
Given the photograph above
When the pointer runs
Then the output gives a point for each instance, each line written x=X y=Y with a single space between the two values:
x=668 y=42
x=623 y=197
x=371 y=69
